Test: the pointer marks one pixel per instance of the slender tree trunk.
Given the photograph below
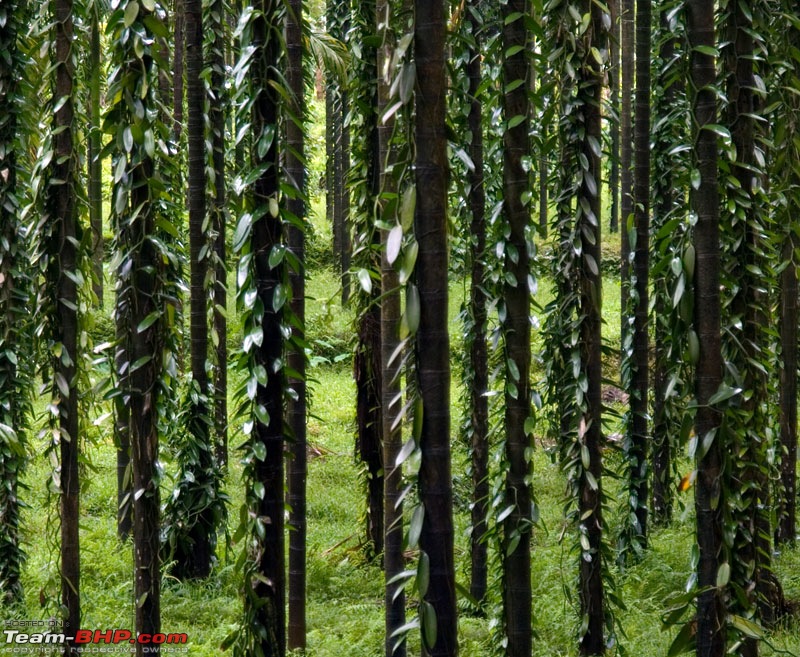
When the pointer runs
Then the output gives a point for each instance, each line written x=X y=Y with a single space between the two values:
x=709 y=496
x=479 y=360
x=367 y=373
x=197 y=562
x=786 y=525
x=590 y=289
x=613 y=124
x=95 y=165
x=12 y=310
x=516 y=333
x=269 y=591
x=626 y=153
x=296 y=403
x=663 y=203
x=64 y=208
x=391 y=430
x=216 y=111
x=122 y=415
x=177 y=71
x=638 y=453
x=432 y=341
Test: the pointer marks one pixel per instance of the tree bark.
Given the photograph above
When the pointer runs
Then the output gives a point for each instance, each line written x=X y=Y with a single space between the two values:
x=626 y=153
x=296 y=403
x=614 y=123
x=391 y=429
x=432 y=343
x=479 y=359
x=177 y=71
x=197 y=562
x=638 y=453
x=64 y=208
x=12 y=309
x=217 y=111
x=787 y=515
x=592 y=597
x=266 y=235
x=516 y=333
x=664 y=205
x=95 y=165
x=709 y=494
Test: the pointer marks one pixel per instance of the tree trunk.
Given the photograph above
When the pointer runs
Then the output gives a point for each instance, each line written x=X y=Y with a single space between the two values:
x=391 y=429
x=613 y=123
x=12 y=310
x=217 y=110
x=626 y=155
x=177 y=71
x=516 y=334
x=590 y=289
x=478 y=355
x=95 y=165
x=637 y=455
x=296 y=360
x=709 y=495
x=196 y=563
x=786 y=514
x=63 y=205
x=269 y=590
x=664 y=204
x=432 y=343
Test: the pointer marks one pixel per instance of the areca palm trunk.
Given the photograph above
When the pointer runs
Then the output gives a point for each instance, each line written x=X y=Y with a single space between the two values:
x=391 y=429
x=11 y=312
x=197 y=563
x=216 y=111
x=787 y=514
x=296 y=404
x=709 y=498
x=93 y=156
x=432 y=343
x=269 y=590
x=592 y=596
x=516 y=333
x=63 y=204
x=479 y=367
x=638 y=453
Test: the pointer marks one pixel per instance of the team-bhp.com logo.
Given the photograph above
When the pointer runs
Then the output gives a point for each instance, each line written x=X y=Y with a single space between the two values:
x=84 y=637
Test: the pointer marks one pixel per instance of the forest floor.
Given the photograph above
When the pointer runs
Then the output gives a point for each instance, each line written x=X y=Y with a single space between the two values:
x=345 y=592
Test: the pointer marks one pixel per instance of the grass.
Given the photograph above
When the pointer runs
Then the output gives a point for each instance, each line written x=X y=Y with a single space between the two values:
x=345 y=613
x=345 y=591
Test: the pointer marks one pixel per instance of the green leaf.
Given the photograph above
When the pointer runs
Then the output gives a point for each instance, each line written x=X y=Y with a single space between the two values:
x=131 y=13
x=148 y=321
x=413 y=308
x=427 y=619
x=260 y=450
x=242 y=232
x=723 y=574
x=724 y=393
x=393 y=243
x=405 y=451
x=423 y=574
x=695 y=178
x=280 y=296
x=415 y=526
x=683 y=642
x=747 y=627
x=365 y=280
x=408 y=204
x=711 y=51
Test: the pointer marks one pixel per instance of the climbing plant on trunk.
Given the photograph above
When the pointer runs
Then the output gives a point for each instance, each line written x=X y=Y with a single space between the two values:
x=431 y=345
x=144 y=220
x=516 y=330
